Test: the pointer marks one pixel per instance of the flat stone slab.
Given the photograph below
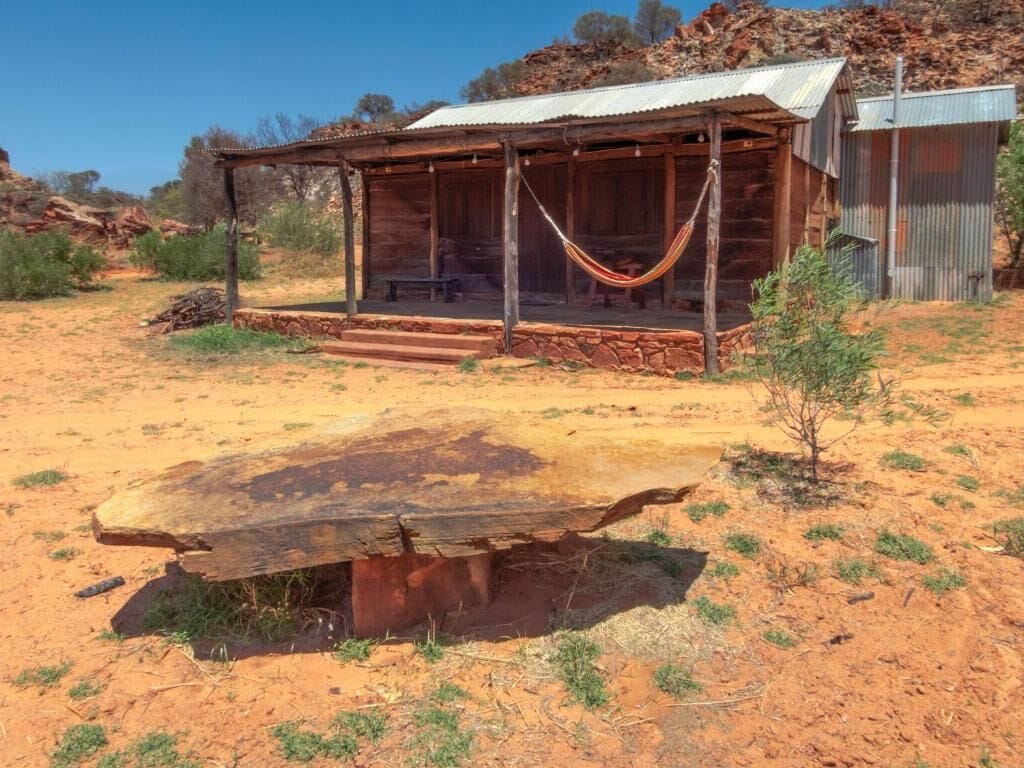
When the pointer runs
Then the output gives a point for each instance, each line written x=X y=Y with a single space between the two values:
x=450 y=483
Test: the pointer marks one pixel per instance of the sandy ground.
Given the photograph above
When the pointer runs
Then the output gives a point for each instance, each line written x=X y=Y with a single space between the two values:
x=909 y=677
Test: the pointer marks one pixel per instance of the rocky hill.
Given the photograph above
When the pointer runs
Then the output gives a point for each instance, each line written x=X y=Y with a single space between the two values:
x=940 y=51
x=28 y=206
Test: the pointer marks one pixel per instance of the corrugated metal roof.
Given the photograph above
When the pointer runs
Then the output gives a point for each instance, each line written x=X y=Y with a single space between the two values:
x=963 y=106
x=800 y=88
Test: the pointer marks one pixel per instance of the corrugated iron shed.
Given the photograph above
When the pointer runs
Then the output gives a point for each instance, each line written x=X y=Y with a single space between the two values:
x=963 y=106
x=801 y=89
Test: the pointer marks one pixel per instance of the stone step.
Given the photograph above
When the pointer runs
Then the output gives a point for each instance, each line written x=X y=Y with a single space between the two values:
x=485 y=346
x=399 y=352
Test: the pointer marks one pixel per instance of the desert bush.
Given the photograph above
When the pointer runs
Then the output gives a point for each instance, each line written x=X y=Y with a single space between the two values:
x=223 y=339
x=603 y=29
x=193 y=257
x=576 y=662
x=1010 y=534
x=495 y=82
x=628 y=72
x=44 y=265
x=1010 y=193
x=815 y=362
x=655 y=21
x=300 y=226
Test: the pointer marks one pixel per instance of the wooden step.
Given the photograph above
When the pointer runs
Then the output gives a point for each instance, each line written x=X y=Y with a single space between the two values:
x=400 y=352
x=484 y=346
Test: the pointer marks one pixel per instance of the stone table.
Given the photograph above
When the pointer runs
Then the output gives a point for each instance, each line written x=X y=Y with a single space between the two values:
x=417 y=502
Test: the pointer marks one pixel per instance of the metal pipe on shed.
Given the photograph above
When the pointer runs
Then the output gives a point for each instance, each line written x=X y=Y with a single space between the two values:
x=894 y=173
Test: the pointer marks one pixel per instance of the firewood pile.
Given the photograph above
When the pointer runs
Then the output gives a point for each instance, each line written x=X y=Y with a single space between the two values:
x=200 y=306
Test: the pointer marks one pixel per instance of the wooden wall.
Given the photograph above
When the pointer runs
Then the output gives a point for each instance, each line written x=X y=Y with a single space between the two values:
x=811 y=203
x=619 y=212
x=399 y=228
x=748 y=200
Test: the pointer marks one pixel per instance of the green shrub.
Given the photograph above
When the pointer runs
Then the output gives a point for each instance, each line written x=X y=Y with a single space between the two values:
x=301 y=226
x=675 y=681
x=815 y=362
x=154 y=750
x=968 y=483
x=854 y=571
x=900 y=547
x=824 y=531
x=42 y=477
x=658 y=538
x=725 y=570
x=779 y=639
x=225 y=340
x=903 y=460
x=714 y=613
x=194 y=257
x=944 y=581
x=78 y=744
x=575 y=662
x=746 y=544
x=698 y=512
x=44 y=265
x=43 y=677
x=353 y=649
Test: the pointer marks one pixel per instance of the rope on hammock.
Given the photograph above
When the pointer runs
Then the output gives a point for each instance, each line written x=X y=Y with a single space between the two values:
x=607 y=276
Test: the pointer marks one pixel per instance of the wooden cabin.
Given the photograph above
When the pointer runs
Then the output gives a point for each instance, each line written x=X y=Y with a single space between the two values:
x=619 y=170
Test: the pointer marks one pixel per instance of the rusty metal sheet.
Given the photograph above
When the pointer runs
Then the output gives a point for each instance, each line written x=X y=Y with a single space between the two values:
x=443 y=483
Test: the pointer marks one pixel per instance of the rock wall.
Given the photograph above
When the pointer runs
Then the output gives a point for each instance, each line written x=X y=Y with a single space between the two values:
x=661 y=352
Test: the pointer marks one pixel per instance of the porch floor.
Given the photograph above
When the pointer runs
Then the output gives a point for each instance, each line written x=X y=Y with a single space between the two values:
x=654 y=317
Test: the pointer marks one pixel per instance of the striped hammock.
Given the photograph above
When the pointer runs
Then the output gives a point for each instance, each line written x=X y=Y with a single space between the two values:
x=607 y=276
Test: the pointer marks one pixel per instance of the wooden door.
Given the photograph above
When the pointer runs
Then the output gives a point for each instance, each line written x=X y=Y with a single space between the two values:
x=541 y=256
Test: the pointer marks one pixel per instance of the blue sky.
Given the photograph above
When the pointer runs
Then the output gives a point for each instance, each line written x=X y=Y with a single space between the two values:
x=121 y=86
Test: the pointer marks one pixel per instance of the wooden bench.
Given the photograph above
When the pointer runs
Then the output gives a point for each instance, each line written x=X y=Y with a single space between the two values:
x=447 y=283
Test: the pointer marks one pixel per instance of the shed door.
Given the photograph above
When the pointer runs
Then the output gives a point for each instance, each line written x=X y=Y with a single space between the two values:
x=541 y=256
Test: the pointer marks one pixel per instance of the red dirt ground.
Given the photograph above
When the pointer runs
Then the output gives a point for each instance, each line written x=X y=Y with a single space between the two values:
x=917 y=677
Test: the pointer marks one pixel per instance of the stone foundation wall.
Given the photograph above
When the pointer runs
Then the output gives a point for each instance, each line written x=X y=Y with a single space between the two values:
x=661 y=352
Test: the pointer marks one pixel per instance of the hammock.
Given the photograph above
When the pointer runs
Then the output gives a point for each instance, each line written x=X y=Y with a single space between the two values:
x=603 y=274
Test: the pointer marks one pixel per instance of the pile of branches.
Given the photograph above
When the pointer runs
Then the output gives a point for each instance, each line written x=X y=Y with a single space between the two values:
x=200 y=306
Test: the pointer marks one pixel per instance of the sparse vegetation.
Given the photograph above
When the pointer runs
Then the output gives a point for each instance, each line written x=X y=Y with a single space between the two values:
x=43 y=477
x=269 y=608
x=194 y=257
x=944 y=580
x=302 y=226
x=786 y=576
x=724 y=570
x=65 y=553
x=823 y=532
x=85 y=689
x=575 y=662
x=698 y=512
x=855 y=571
x=43 y=677
x=779 y=639
x=714 y=613
x=1010 y=535
x=898 y=546
x=968 y=483
x=909 y=462
x=44 y=265
x=658 y=538
x=746 y=544
x=675 y=681
x=468 y=365
x=225 y=340
x=965 y=399
x=302 y=746
x=353 y=649
x=154 y=750
x=440 y=739
x=78 y=744
x=430 y=648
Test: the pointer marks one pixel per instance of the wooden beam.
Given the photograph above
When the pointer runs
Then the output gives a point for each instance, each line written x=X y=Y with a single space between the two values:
x=230 y=248
x=711 y=266
x=668 y=282
x=365 y=271
x=783 y=199
x=570 y=226
x=435 y=236
x=350 y=244
x=510 y=251
x=754 y=126
x=807 y=202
